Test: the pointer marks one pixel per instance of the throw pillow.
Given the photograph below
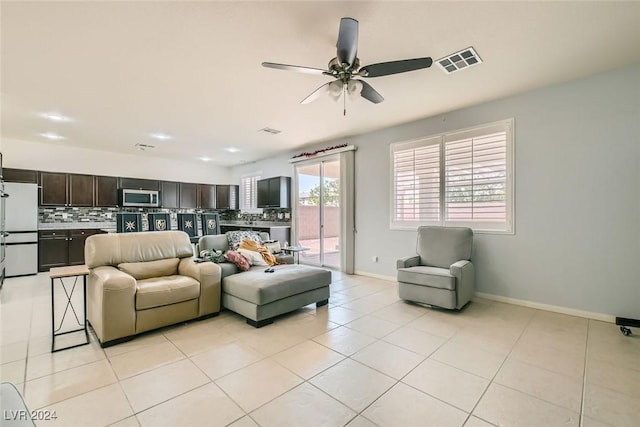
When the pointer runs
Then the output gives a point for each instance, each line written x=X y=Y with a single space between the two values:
x=236 y=237
x=239 y=260
x=255 y=258
x=274 y=247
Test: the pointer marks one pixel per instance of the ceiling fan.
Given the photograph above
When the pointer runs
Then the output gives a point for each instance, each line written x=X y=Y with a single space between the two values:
x=345 y=68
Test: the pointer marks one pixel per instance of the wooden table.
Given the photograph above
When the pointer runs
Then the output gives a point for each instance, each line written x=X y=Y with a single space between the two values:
x=60 y=273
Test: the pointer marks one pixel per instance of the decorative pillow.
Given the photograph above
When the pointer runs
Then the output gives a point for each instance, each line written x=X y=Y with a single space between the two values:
x=236 y=237
x=254 y=258
x=146 y=270
x=274 y=247
x=239 y=260
x=213 y=255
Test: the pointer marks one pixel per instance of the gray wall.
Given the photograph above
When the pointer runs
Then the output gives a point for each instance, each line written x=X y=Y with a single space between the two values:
x=577 y=187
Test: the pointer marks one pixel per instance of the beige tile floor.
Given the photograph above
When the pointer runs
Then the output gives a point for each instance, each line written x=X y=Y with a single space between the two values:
x=365 y=359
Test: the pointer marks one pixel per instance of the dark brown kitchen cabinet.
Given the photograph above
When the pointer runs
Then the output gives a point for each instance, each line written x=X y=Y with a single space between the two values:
x=53 y=249
x=57 y=248
x=66 y=189
x=170 y=194
x=80 y=190
x=188 y=195
x=20 y=175
x=53 y=189
x=138 y=184
x=207 y=199
x=106 y=191
x=274 y=192
x=227 y=197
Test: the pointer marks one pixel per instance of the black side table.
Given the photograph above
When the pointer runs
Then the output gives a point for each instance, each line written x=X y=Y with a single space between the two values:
x=61 y=273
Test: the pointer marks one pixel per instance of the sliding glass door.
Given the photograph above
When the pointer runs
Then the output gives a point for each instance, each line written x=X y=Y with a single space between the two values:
x=318 y=211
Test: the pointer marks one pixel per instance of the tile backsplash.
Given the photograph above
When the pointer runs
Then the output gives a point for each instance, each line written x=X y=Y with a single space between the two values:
x=62 y=215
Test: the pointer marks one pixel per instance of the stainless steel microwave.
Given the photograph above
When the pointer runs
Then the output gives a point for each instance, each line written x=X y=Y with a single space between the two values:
x=139 y=198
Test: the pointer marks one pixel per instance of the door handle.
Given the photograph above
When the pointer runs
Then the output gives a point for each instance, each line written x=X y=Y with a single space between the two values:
x=4 y=195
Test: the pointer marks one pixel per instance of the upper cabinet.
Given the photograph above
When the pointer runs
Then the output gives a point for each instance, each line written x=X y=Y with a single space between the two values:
x=66 y=189
x=207 y=196
x=139 y=184
x=188 y=195
x=20 y=175
x=106 y=192
x=170 y=194
x=227 y=197
x=274 y=192
x=80 y=190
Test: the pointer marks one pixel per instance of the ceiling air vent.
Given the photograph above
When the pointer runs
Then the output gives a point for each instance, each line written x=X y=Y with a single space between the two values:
x=144 y=147
x=270 y=130
x=457 y=61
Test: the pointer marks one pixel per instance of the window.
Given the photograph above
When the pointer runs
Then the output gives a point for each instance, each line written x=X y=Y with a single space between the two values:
x=462 y=178
x=249 y=192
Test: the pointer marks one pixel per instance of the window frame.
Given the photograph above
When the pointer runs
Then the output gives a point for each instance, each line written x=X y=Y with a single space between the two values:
x=255 y=177
x=506 y=227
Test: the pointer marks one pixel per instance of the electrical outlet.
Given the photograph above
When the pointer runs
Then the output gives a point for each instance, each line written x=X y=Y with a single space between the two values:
x=375 y=258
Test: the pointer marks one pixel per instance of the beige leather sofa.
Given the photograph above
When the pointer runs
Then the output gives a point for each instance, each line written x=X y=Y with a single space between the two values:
x=143 y=281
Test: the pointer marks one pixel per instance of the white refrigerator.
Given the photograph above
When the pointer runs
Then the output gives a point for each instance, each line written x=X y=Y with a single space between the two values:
x=21 y=225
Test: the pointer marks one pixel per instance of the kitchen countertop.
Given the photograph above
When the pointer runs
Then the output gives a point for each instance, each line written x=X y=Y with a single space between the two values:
x=255 y=224
x=76 y=225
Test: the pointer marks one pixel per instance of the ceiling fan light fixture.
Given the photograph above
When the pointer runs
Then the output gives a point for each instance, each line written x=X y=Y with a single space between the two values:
x=354 y=87
x=335 y=88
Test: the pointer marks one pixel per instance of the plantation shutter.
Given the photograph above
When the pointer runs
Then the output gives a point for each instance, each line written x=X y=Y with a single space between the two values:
x=476 y=178
x=416 y=185
x=249 y=193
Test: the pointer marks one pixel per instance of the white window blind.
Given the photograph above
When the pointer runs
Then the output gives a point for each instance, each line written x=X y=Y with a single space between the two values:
x=417 y=182
x=461 y=178
x=249 y=193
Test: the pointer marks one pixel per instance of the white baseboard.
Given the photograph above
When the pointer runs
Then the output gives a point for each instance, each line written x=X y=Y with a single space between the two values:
x=376 y=276
x=524 y=303
x=548 y=307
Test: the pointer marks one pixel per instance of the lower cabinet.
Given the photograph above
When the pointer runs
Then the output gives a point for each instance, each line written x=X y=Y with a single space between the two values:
x=58 y=248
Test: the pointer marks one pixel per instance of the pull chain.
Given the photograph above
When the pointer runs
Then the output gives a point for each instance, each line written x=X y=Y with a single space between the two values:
x=344 y=99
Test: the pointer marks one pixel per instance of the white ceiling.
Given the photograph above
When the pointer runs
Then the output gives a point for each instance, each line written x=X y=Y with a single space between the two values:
x=124 y=70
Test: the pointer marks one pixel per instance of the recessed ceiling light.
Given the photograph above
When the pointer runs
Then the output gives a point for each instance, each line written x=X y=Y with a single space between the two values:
x=161 y=136
x=205 y=159
x=232 y=149
x=56 y=117
x=52 y=136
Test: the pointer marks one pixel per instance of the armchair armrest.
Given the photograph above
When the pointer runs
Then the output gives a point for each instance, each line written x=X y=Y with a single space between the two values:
x=111 y=303
x=408 y=262
x=208 y=274
x=464 y=273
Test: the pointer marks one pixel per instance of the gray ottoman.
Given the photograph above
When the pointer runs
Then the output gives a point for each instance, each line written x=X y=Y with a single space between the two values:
x=261 y=296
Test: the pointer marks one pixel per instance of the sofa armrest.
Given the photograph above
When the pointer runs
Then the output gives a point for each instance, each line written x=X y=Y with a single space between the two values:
x=408 y=262
x=111 y=303
x=464 y=273
x=208 y=274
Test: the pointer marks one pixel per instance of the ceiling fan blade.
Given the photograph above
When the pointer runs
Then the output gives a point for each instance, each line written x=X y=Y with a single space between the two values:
x=297 y=68
x=347 y=41
x=394 y=67
x=316 y=93
x=369 y=93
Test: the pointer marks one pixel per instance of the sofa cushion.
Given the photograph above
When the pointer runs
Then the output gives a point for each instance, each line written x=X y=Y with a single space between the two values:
x=261 y=288
x=146 y=270
x=159 y=291
x=428 y=276
x=228 y=268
